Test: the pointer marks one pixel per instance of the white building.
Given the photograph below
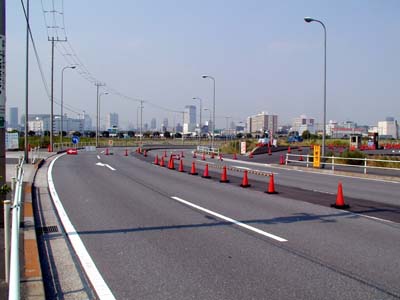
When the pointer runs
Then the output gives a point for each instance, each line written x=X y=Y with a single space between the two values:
x=13 y=118
x=302 y=124
x=261 y=122
x=388 y=128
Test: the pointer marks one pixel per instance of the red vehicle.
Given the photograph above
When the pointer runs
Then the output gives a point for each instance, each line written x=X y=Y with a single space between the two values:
x=72 y=151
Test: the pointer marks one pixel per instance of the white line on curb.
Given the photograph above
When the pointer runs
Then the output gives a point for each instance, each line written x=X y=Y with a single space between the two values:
x=248 y=227
x=99 y=285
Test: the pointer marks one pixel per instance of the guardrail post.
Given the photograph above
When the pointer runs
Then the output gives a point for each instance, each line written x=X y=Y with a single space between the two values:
x=7 y=231
x=365 y=165
x=286 y=159
x=333 y=163
x=307 y=160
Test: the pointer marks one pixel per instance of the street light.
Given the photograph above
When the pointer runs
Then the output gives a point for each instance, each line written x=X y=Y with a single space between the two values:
x=98 y=117
x=213 y=121
x=62 y=100
x=309 y=20
x=197 y=98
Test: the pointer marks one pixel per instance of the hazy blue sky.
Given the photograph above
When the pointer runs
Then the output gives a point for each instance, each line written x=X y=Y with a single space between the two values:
x=262 y=54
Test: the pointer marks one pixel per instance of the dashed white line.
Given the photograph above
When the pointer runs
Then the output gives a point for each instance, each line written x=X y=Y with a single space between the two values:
x=99 y=285
x=248 y=227
x=98 y=156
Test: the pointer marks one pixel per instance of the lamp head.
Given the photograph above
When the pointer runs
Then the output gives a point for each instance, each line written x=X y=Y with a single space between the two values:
x=73 y=67
x=308 y=19
x=204 y=76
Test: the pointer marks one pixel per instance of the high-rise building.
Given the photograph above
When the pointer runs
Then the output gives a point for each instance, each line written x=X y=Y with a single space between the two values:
x=302 y=124
x=112 y=120
x=13 y=118
x=153 y=124
x=262 y=122
x=189 y=118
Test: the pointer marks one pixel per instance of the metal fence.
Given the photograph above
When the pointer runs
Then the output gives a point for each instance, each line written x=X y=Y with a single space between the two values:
x=334 y=161
x=12 y=259
x=207 y=150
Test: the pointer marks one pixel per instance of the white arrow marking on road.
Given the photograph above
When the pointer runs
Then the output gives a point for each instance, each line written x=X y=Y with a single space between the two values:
x=105 y=165
x=98 y=156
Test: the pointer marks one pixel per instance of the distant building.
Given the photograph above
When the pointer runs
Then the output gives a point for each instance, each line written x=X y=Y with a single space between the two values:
x=189 y=118
x=13 y=118
x=388 y=128
x=112 y=120
x=302 y=124
x=39 y=123
x=87 y=122
x=153 y=124
x=262 y=122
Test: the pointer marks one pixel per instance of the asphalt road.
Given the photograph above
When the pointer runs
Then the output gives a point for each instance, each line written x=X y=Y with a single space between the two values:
x=155 y=233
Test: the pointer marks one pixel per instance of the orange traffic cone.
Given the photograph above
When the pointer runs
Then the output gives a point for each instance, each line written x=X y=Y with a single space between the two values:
x=194 y=155
x=29 y=147
x=165 y=153
x=339 y=198
x=299 y=149
x=288 y=150
x=145 y=153
x=139 y=150
x=156 y=160
x=220 y=157
x=224 y=177
x=251 y=155
x=271 y=185
x=49 y=148
x=107 y=153
x=269 y=151
x=234 y=156
x=301 y=158
x=193 y=170
x=162 y=163
x=126 y=152
x=245 y=181
x=181 y=166
x=171 y=164
x=203 y=157
x=205 y=174
x=182 y=154
x=212 y=155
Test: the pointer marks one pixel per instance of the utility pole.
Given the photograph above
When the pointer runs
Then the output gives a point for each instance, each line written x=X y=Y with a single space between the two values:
x=26 y=84
x=141 y=120
x=2 y=93
x=98 y=84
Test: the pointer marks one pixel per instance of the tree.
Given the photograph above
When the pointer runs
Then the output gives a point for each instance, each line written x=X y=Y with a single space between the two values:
x=76 y=133
x=167 y=134
x=131 y=134
x=306 y=135
x=46 y=133
x=178 y=135
x=156 y=134
x=248 y=135
x=239 y=135
x=31 y=133
x=105 y=134
x=146 y=134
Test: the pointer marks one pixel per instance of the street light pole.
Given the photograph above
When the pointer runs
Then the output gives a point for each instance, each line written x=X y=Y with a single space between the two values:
x=309 y=20
x=213 y=127
x=209 y=118
x=97 y=84
x=62 y=100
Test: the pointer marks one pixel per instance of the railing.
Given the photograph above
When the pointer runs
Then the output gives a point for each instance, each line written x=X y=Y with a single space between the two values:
x=35 y=154
x=13 y=269
x=333 y=161
x=207 y=150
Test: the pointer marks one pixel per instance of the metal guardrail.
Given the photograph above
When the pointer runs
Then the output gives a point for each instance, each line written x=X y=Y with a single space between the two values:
x=333 y=161
x=207 y=150
x=12 y=259
x=35 y=154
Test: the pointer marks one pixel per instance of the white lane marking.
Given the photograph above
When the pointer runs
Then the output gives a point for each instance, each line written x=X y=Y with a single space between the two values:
x=105 y=165
x=323 y=192
x=111 y=168
x=248 y=227
x=244 y=168
x=375 y=218
x=99 y=285
x=102 y=152
x=98 y=156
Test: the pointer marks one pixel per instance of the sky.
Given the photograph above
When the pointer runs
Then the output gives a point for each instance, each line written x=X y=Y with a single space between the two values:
x=262 y=54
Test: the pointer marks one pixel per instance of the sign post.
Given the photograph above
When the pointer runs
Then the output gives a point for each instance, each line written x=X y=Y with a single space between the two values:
x=243 y=148
x=75 y=140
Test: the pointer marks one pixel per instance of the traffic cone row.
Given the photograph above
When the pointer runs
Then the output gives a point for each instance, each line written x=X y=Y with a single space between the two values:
x=193 y=170
x=156 y=160
x=171 y=164
x=245 y=181
x=205 y=174
x=203 y=157
x=162 y=163
x=271 y=185
x=224 y=176
x=180 y=169
x=281 y=160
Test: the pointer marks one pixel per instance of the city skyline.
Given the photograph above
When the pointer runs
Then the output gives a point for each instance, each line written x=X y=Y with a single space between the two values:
x=277 y=66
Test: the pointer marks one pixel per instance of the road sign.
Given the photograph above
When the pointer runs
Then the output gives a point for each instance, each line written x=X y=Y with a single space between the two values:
x=242 y=147
x=75 y=139
x=110 y=143
x=317 y=156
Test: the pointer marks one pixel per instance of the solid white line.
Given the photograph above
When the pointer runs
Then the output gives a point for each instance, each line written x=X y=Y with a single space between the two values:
x=248 y=227
x=99 y=285
x=244 y=168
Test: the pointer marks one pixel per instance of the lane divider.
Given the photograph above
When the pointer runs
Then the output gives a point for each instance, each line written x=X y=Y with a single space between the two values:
x=230 y=220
